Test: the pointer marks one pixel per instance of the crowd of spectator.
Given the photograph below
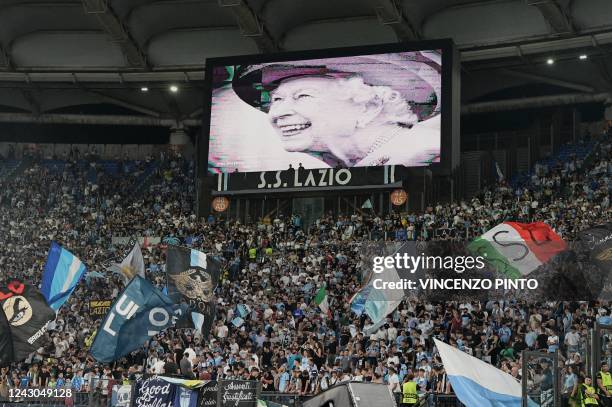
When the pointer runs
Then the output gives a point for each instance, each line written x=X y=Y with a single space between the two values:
x=285 y=341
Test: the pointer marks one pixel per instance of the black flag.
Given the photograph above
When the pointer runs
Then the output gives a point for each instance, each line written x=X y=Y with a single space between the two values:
x=6 y=342
x=192 y=277
x=598 y=241
x=27 y=315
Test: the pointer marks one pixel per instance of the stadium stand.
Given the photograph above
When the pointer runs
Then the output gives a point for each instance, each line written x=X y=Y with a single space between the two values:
x=284 y=342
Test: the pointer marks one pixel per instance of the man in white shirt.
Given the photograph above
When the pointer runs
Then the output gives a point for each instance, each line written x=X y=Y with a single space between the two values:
x=393 y=381
x=393 y=360
x=572 y=340
x=391 y=334
x=222 y=331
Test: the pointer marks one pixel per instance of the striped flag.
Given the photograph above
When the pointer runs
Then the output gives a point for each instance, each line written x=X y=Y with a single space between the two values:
x=321 y=299
x=477 y=383
x=516 y=249
x=61 y=275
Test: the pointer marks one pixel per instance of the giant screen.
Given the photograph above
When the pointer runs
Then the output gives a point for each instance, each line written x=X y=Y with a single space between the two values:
x=357 y=110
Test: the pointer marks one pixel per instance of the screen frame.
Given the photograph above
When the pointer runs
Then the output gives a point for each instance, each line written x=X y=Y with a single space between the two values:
x=448 y=109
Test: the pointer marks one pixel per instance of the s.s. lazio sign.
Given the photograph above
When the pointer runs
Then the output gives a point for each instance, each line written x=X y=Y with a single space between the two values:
x=140 y=312
x=301 y=179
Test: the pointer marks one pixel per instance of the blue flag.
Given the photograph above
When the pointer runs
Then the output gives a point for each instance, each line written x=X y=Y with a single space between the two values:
x=140 y=312
x=62 y=273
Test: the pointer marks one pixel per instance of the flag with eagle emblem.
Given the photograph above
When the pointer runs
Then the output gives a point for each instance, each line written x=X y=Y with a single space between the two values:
x=192 y=277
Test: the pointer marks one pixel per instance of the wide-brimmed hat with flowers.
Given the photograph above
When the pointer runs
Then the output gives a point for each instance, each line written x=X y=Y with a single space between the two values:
x=416 y=75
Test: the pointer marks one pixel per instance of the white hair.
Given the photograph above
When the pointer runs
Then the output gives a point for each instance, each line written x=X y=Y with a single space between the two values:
x=395 y=109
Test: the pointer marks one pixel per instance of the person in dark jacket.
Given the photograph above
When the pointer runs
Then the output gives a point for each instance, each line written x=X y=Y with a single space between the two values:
x=186 y=368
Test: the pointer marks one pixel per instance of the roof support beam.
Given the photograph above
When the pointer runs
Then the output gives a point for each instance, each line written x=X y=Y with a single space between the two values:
x=123 y=103
x=390 y=13
x=196 y=113
x=546 y=79
x=117 y=31
x=250 y=24
x=553 y=13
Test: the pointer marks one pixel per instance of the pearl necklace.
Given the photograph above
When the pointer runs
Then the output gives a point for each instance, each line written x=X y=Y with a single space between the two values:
x=382 y=139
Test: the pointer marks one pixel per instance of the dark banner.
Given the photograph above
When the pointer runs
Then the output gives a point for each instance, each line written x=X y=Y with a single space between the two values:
x=201 y=320
x=27 y=315
x=154 y=392
x=238 y=393
x=598 y=241
x=99 y=308
x=325 y=179
x=192 y=277
x=208 y=394
x=6 y=342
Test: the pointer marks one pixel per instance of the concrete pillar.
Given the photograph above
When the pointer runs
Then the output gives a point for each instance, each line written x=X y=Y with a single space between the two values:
x=179 y=141
x=608 y=112
x=179 y=137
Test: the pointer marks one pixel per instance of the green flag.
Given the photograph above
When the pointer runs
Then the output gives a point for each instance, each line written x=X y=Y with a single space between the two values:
x=322 y=301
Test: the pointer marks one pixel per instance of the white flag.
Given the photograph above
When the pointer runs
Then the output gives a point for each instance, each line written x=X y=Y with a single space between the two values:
x=132 y=265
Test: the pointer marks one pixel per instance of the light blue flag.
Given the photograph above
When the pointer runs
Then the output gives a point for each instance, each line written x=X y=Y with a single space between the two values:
x=477 y=383
x=62 y=273
x=237 y=322
x=243 y=310
x=358 y=301
x=140 y=312
x=198 y=259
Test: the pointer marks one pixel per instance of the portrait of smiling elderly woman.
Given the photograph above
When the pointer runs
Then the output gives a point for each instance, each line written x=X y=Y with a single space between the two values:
x=350 y=114
x=342 y=120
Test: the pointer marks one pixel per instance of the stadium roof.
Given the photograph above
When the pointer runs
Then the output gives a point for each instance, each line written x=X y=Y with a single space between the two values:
x=57 y=53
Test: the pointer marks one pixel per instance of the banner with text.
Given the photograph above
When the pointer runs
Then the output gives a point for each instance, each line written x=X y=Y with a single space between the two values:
x=99 y=308
x=301 y=179
x=238 y=393
x=154 y=392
